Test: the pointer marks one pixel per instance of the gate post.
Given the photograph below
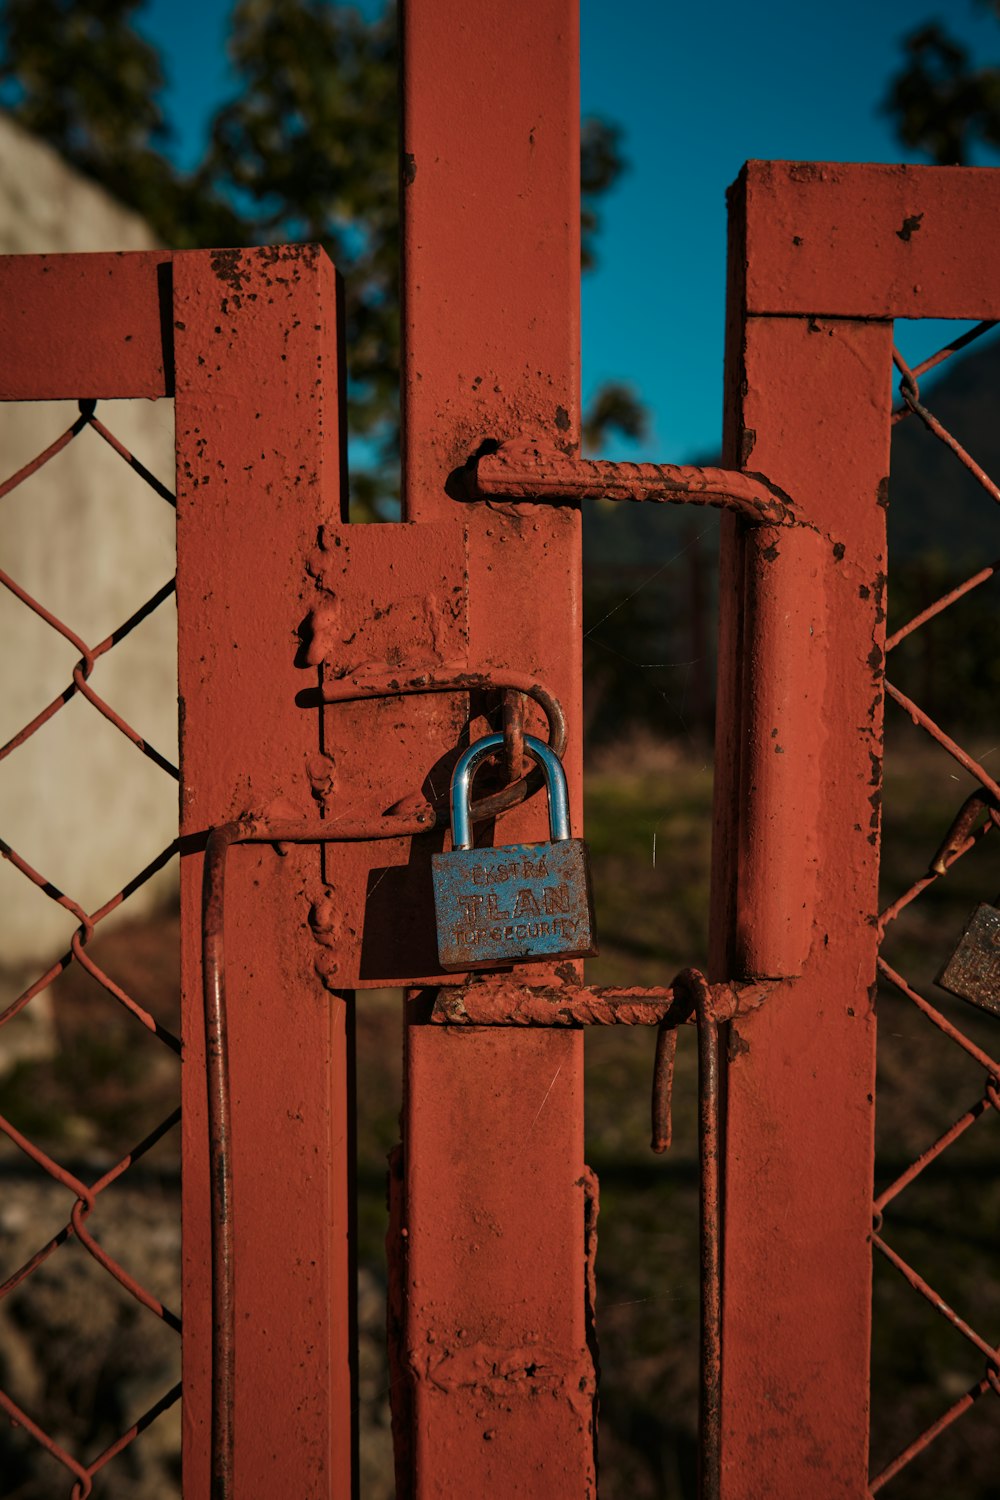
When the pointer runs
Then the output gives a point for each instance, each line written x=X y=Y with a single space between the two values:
x=490 y=1231
x=801 y=678
x=258 y=470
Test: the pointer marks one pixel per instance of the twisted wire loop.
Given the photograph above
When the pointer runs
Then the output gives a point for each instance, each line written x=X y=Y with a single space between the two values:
x=84 y=1197
x=978 y=816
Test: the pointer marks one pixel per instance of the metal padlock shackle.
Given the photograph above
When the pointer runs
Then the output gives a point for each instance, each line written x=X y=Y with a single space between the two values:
x=465 y=769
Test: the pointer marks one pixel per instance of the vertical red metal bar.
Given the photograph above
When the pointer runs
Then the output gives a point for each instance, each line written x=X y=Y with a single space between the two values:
x=258 y=469
x=494 y=1326
x=800 y=687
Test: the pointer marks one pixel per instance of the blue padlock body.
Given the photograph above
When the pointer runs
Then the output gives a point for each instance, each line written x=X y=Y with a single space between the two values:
x=512 y=904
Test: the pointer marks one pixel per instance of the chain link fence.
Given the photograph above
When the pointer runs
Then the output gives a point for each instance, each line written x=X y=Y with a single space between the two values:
x=76 y=1274
x=936 y=1198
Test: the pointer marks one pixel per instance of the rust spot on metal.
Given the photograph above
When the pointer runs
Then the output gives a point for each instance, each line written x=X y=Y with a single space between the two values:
x=663 y=1087
x=228 y=267
x=501 y=1001
x=592 y=1203
x=976 y=806
x=909 y=226
x=513 y=735
x=738 y=1046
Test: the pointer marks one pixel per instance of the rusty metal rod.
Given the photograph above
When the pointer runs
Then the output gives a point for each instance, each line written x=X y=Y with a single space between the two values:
x=502 y=1001
x=978 y=804
x=991 y=1064
x=917 y=1282
x=663 y=1087
x=952 y=597
x=213 y=960
x=931 y=1153
x=924 y=721
x=910 y=392
x=524 y=469
x=710 y=1430
x=513 y=735
x=696 y=991
x=391 y=685
x=221 y=1171
x=927 y=1437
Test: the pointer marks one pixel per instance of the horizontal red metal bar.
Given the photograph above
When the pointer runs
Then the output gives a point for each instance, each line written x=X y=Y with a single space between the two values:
x=122 y=347
x=863 y=240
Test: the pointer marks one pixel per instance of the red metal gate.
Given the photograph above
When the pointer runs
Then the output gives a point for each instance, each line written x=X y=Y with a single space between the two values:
x=823 y=259
x=329 y=675
x=247 y=347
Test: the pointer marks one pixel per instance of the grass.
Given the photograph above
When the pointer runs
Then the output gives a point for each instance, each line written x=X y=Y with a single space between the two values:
x=652 y=921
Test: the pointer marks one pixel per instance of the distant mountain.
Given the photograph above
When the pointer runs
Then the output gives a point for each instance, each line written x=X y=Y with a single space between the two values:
x=934 y=503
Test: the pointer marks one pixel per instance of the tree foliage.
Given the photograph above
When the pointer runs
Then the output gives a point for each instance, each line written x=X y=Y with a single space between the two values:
x=941 y=101
x=306 y=149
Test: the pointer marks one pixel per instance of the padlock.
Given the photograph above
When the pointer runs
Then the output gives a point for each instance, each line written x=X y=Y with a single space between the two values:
x=518 y=902
x=973 y=971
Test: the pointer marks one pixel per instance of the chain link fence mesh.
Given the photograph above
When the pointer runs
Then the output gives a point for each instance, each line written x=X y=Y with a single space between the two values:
x=933 y=1193
x=83 y=1414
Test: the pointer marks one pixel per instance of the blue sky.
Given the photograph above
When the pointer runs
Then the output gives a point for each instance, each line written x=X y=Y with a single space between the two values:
x=699 y=89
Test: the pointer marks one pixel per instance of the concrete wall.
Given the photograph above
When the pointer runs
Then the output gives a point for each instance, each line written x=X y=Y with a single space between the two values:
x=92 y=542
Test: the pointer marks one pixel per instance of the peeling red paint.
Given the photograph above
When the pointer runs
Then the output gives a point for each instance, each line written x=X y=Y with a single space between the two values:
x=801 y=650
x=493 y=1118
x=245 y=744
